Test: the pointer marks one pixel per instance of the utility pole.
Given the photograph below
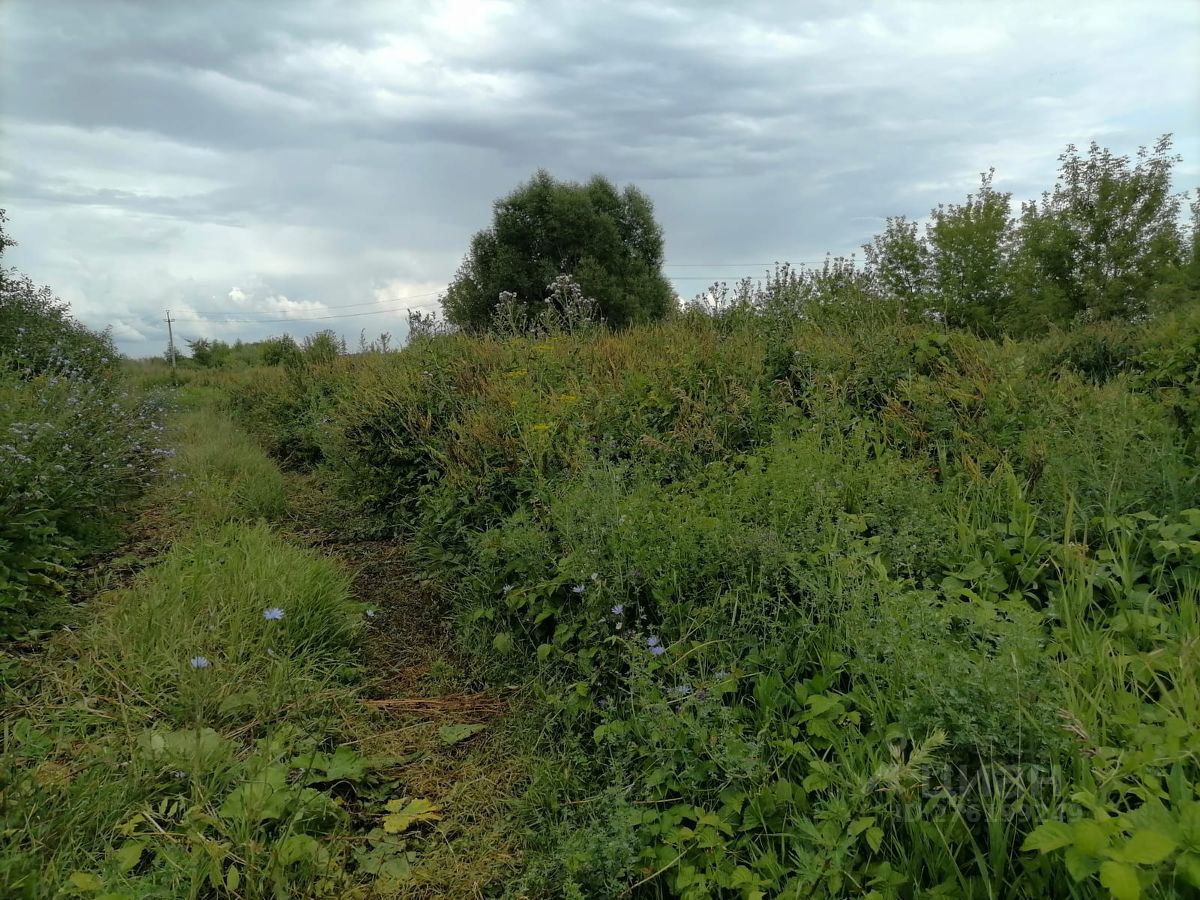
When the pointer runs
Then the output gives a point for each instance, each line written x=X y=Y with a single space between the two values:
x=171 y=342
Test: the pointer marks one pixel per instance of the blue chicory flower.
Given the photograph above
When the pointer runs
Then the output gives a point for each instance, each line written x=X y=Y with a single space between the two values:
x=619 y=609
x=199 y=662
x=273 y=614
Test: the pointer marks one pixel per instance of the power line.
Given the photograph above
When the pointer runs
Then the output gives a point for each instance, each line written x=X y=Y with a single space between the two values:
x=228 y=321
x=236 y=312
x=750 y=265
x=221 y=317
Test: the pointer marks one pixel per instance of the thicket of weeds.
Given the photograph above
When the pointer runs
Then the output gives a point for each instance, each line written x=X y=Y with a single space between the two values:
x=76 y=445
x=817 y=601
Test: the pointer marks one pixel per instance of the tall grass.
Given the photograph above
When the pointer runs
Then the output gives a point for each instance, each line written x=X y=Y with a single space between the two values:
x=171 y=746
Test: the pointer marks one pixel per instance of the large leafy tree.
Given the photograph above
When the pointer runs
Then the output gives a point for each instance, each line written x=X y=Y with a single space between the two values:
x=1106 y=235
x=898 y=259
x=1107 y=242
x=969 y=250
x=606 y=238
x=958 y=268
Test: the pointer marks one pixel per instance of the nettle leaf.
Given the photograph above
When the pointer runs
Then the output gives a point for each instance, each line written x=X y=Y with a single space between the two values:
x=452 y=734
x=403 y=814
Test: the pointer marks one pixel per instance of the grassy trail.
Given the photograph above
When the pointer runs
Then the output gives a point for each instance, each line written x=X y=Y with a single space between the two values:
x=419 y=691
x=248 y=705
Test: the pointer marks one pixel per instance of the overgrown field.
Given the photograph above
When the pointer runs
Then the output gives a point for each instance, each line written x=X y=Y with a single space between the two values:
x=819 y=603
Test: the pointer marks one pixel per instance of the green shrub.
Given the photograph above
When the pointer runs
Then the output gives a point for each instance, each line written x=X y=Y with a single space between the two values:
x=72 y=451
x=75 y=444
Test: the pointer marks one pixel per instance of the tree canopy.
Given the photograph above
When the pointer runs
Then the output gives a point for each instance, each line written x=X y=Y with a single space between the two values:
x=1101 y=244
x=606 y=238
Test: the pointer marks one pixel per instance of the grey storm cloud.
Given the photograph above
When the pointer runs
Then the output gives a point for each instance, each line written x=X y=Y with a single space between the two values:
x=289 y=160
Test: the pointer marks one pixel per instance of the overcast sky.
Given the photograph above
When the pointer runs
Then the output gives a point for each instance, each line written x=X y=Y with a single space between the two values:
x=265 y=159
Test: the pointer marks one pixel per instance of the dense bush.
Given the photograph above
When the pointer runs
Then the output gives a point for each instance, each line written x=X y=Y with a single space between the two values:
x=74 y=444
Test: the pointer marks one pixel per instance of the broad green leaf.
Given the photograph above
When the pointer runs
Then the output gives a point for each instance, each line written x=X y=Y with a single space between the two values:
x=1121 y=880
x=1187 y=867
x=821 y=703
x=503 y=642
x=86 y=881
x=128 y=855
x=187 y=748
x=1088 y=837
x=1080 y=865
x=392 y=871
x=233 y=878
x=297 y=848
x=343 y=765
x=403 y=814
x=1048 y=836
x=346 y=765
x=237 y=703
x=266 y=797
x=452 y=734
x=861 y=824
x=815 y=781
x=1146 y=848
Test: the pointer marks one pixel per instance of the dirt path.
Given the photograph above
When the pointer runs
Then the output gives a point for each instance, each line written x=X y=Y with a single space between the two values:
x=418 y=685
